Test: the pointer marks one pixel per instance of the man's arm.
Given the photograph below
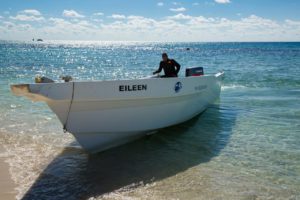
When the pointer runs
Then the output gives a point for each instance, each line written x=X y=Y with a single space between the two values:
x=177 y=65
x=159 y=69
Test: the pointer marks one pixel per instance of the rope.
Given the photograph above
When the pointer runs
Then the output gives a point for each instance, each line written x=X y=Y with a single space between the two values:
x=71 y=102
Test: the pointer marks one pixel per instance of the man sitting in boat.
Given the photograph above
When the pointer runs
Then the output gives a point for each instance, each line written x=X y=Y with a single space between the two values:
x=170 y=66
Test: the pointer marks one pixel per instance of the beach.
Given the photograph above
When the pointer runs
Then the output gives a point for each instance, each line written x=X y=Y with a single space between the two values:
x=244 y=146
x=7 y=186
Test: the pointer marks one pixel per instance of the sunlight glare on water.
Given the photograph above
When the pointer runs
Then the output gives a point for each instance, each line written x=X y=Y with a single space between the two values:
x=245 y=146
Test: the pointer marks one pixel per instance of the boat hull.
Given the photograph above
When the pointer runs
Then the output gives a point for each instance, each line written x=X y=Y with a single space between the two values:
x=112 y=127
x=104 y=114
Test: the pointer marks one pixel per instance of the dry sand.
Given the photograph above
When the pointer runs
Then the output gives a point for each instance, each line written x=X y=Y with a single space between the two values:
x=7 y=185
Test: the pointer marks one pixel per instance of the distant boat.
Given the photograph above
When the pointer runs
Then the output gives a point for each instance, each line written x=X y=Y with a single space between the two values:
x=104 y=114
x=39 y=40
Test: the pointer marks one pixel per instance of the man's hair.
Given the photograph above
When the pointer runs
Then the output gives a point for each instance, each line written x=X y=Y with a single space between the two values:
x=164 y=55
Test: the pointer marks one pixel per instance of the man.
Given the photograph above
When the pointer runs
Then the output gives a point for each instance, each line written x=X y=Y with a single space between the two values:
x=170 y=66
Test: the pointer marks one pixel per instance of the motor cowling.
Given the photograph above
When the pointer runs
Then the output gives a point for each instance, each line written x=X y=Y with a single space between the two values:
x=194 y=71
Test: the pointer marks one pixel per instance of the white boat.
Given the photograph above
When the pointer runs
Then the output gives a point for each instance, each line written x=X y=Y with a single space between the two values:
x=104 y=114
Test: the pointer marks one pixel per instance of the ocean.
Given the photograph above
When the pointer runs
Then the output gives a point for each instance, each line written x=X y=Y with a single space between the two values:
x=244 y=146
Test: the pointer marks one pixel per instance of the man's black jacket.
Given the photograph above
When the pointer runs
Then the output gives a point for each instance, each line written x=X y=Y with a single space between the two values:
x=170 y=67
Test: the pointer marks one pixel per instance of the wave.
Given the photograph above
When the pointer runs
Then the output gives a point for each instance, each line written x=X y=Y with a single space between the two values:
x=27 y=154
x=232 y=86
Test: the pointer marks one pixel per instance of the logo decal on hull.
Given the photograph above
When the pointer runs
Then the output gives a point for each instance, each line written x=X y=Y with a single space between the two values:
x=178 y=87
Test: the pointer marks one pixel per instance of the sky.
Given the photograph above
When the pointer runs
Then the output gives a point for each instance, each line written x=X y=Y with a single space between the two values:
x=151 y=20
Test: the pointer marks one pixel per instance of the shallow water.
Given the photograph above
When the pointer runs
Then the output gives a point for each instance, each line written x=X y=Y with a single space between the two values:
x=245 y=146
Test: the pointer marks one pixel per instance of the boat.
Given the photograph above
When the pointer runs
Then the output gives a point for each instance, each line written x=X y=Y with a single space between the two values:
x=105 y=114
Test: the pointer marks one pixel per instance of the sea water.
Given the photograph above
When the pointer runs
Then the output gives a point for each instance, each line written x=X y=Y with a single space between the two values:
x=244 y=146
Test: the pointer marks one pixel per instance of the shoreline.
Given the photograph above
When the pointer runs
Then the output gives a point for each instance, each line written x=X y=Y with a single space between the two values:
x=7 y=186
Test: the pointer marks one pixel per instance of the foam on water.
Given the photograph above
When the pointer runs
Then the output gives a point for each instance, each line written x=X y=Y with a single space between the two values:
x=232 y=87
x=246 y=146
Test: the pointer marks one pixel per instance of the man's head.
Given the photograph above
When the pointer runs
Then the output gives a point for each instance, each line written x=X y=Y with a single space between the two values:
x=164 y=57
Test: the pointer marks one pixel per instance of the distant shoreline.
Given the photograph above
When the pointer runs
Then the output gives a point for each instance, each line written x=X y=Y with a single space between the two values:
x=132 y=41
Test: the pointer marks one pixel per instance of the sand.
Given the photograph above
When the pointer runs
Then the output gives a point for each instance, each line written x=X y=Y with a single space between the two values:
x=7 y=185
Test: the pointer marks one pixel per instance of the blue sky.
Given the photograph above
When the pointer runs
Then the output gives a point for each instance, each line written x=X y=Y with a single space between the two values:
x=151 y=20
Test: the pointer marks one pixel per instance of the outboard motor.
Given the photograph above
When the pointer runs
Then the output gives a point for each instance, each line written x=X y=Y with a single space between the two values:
x=194 y=71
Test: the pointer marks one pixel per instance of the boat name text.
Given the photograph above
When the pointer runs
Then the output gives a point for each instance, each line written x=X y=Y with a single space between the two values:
x=200 y=87
x=129 y=88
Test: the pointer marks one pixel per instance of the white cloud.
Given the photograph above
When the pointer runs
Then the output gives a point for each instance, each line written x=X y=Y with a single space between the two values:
x=184 y=28
x=57 y=20
x=117 y=16
x=22 y=17
x=25 y=27
x=181 y=9
x=84 y=23
x=72 y=14
x=203 y=21
x=222 y=1
x=1 y=17
x=292 y=22
x=97 y=20
x=28 y=15
x=70 y=29
x=160 y=4
x=9 y=25
x=64 y=23
x=256 y=21
x=98 y=14
x=180 y=16
x=196 y=4
x=31 y=12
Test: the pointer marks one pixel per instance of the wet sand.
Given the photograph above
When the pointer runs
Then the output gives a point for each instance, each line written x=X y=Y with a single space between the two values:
x=7 y=185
